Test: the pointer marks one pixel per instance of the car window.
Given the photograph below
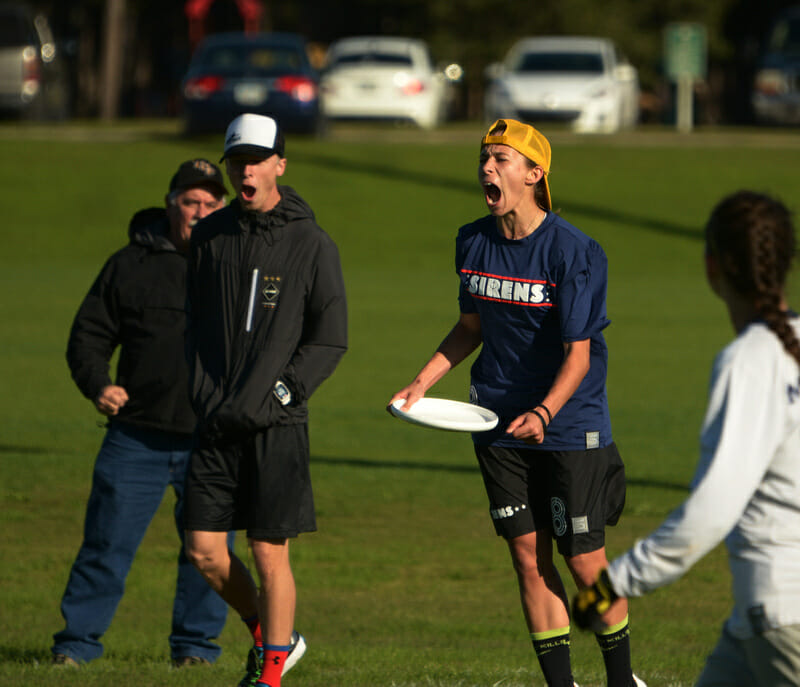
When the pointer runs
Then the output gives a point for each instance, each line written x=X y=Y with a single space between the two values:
x=785 y=37
x=578 y=62
x=14 y=30
x=381 y=58
x=251 y=60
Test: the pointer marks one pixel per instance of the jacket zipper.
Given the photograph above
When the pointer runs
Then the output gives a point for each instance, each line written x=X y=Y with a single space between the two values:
x=251 y=305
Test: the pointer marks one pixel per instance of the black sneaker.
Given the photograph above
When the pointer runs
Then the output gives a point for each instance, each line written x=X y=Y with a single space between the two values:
x=255 y=657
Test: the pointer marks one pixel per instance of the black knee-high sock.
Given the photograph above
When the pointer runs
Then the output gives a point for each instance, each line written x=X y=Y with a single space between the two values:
x=552 y=650
x=615 y=643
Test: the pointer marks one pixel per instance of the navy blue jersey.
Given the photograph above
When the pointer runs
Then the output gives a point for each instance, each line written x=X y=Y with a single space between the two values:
x=532 y=296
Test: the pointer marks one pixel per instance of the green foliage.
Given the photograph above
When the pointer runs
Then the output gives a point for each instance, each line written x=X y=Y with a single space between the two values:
x=405 y=583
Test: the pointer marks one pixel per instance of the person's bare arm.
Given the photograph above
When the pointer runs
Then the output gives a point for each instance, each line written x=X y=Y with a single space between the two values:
x=532 y=427
x=460 y=342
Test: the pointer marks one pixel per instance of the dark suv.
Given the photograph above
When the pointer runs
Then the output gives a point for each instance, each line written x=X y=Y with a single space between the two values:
x=776 y=93
x=31 y=78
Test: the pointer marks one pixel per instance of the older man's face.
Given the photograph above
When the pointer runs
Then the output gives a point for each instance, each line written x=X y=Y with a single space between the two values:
x=186 y=209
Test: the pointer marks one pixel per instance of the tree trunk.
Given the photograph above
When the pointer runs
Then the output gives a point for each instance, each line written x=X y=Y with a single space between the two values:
x=114 y=40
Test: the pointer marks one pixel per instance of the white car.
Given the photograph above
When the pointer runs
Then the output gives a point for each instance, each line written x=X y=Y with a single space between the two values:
x=575 y=79
x=383 y=77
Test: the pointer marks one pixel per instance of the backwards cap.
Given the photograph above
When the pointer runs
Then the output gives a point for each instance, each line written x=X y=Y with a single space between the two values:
x=252 y=134
x=526 y=140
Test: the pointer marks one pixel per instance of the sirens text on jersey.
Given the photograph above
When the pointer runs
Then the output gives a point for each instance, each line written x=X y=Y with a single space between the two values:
x=492 y=287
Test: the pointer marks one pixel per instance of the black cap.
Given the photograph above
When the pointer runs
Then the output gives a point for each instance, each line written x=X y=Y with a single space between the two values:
x=198 y=172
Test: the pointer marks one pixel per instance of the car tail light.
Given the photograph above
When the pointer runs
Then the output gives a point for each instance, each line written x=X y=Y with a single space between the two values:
x=31 y=73
x=200 y=87
x=298 y=87
x=408 y=84
x=413 y=87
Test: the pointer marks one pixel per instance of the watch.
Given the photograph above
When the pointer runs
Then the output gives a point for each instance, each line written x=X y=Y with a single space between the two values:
x=282 y=393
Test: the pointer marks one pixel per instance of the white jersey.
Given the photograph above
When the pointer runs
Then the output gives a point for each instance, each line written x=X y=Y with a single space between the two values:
x=746 y=490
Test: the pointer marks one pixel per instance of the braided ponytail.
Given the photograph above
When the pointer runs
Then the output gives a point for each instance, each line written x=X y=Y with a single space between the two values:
x=752 y=237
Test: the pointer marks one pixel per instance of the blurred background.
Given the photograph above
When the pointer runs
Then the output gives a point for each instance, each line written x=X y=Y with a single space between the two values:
x=113 y=59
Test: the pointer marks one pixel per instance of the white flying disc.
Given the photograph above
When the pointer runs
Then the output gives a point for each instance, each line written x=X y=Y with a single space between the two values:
x=442 y=413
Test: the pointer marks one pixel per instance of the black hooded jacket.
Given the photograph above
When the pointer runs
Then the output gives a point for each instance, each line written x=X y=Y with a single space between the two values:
x=138 y=303
x=266 y=303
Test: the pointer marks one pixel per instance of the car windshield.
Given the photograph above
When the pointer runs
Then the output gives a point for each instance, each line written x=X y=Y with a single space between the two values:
x=255 y=60
x=380 y=58
x=785 y=37
x=578 y=62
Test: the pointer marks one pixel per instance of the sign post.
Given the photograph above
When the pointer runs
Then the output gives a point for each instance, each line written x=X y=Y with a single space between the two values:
x=686 y=57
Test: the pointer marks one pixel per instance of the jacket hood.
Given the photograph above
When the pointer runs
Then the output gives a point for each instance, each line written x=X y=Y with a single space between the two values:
x=150 y=228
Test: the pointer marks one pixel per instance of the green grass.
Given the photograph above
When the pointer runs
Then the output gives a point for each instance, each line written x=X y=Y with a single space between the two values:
x=405 y=583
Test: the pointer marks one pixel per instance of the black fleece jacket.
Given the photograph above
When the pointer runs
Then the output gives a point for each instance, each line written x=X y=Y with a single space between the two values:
x=266 y=302
x=137 y=303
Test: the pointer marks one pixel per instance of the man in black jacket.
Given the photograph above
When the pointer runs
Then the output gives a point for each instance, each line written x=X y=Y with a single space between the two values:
x=137 y=303
x=267 y=324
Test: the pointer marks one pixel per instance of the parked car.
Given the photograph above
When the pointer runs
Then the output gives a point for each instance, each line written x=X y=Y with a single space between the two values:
x=385 y=77
x=580 y=80
x=265 y=73
x=776 y=92
x=32 y=80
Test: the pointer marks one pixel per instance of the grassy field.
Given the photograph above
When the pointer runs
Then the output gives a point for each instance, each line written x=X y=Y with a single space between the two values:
x=405 y=583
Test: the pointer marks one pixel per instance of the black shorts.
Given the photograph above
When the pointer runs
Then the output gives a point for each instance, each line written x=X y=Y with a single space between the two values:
x=260 y=483
x=573 y=494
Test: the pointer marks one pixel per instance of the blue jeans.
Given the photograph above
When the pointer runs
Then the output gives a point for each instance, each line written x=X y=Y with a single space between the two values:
x=133 y=469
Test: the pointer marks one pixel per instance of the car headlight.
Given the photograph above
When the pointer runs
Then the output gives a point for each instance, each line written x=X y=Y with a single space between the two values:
x=771 y=82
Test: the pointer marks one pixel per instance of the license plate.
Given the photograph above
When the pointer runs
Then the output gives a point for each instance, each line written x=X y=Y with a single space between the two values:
x=250 y=93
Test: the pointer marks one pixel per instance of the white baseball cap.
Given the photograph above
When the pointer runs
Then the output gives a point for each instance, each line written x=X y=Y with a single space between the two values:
x=252 y=134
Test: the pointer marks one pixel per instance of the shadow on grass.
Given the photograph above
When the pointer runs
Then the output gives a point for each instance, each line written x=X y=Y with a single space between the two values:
x=392 y=464
x=27 y=656
x=27 y=450
x=371 y=463
x=394 y=173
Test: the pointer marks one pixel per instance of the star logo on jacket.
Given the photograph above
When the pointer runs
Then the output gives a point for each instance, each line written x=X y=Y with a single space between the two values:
x=270 y=291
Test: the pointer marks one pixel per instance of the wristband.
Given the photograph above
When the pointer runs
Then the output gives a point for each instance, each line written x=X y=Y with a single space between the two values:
x=541 y=419
x=546 y=410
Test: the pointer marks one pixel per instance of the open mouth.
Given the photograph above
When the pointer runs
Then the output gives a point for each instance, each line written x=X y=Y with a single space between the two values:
x=248 y=192
x=492 y=193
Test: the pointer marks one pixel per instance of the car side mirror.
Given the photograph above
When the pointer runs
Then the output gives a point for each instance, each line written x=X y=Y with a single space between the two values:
x=493 y=71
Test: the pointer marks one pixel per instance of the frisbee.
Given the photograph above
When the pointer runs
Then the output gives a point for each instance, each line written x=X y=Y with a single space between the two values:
x=442 y=413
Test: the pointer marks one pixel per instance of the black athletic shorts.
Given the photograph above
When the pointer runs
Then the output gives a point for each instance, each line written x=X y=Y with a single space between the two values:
x=260 y=483
x=573 y=494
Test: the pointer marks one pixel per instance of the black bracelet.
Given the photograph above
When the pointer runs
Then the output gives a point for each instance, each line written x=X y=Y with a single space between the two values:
x=541 y=419
x=546 y=410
